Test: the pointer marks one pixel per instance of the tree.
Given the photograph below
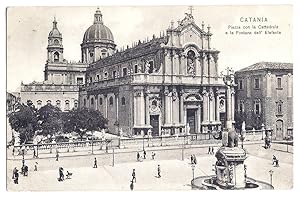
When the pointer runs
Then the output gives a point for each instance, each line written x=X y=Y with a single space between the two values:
x=24 y=121
x=49 y=118
x=83 y=120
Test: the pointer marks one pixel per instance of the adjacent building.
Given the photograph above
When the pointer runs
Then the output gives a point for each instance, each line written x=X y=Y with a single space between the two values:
x=61 y=78
x=264 y=95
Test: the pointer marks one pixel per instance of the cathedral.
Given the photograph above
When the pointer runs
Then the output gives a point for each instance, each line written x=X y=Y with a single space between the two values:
x=166 y=85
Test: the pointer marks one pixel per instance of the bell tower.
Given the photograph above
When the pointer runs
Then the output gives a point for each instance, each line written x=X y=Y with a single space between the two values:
x=55 y=47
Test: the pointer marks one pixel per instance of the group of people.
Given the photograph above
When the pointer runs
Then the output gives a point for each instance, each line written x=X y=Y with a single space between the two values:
x=211 y=150
x=140 y=158
x=61 y=174
x=133 y=180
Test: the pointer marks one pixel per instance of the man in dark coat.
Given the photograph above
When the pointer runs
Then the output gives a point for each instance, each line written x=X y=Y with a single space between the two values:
x=95 y=163
x=133 y=176
x=158 y=171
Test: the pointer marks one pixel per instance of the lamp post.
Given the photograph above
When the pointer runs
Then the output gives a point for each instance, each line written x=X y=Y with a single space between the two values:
x=193 y=170
x=23 y=155
x=262 y=130
x=245 y=172
x=182 y=152
x=287 y=143
x=271 y=174
x=113 y=164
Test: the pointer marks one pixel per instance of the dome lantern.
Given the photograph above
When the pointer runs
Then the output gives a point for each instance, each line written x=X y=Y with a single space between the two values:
x=98 y=17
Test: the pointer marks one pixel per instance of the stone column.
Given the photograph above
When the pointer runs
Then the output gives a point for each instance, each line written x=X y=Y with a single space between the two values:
x=181 y=109
x=199 y=119
x=105 y=105
x=217 y=106
x=117 y=106
x=135 y=111
x=228 y=109
x=232 y=103
x=142 y=108
x=290 y=85
x=205 y=106
x=96 y=102
x=167 y=106
x=211 y=106
x=147 y=107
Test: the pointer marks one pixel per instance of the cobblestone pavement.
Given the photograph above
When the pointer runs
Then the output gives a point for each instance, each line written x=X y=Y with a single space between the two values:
x=176 y=174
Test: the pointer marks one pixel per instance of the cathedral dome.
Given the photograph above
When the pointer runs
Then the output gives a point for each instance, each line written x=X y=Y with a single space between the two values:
x=98 y=32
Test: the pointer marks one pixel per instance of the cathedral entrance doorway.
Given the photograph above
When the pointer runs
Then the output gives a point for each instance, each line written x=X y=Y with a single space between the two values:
x=154 y=122
x=279 y=129
x=191 y=120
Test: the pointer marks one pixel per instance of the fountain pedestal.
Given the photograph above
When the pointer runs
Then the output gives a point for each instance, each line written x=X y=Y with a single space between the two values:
x=230 y=167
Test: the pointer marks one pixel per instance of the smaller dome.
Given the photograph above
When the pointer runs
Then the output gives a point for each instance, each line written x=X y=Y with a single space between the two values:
x=55 y=32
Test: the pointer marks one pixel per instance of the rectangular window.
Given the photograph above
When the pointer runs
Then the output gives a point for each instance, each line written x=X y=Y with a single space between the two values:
x=91 y=79
x=135 y=68
x=279 y=82
x=124 y=72
x=240 y=84
x=98 y=78
x=257 y=108
x=151 y=67
x=256 y=83
x=79 y=80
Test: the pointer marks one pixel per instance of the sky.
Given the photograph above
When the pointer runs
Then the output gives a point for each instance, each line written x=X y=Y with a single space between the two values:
x=28 y=29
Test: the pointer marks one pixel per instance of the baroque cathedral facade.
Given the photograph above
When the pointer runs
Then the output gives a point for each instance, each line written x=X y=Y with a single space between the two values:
x=166 y=85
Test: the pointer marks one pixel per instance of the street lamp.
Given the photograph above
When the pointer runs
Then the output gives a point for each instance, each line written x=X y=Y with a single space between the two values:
x=271 y=173
x=245 y=171
x=193 y=170
x=262 y=130
x=287 y=143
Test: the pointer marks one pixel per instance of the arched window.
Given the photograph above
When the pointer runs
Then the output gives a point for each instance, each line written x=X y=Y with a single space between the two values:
x=279 y=107
x=56 y=56
x=111 y=101
x=56 y=42
x=191 y=63
x=92 y=102
x=257 y=108
x=49 y=102
x=123 y=100
x=84 y=102
x=67 y=105
x=58 y=104
x=100 y=101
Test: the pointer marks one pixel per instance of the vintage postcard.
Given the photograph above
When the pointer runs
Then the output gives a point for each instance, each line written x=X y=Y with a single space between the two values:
x=149 y=98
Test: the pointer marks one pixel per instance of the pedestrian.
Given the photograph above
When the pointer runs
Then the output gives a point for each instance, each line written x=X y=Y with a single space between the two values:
x=145 y=154
x=35 y=166
x=274 y=160
x=131 y=185
x=61 y=174
x=34 y=154
x=153 y=155
x=95 y=163
x=133 y=176
x=106 y=148
x=212 y=150
x=209 y=150
x=138 y=156
x=192 y=159
x=14 y=171
x=57 y=155
x=195 y=160
x=158 y=171
x=16 y=176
